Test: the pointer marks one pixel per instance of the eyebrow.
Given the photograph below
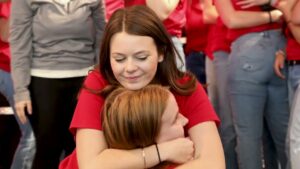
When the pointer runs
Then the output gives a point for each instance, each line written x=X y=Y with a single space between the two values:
x=136 y=53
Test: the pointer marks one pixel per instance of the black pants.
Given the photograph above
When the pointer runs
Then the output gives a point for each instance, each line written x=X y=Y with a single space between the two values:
x=53 y=104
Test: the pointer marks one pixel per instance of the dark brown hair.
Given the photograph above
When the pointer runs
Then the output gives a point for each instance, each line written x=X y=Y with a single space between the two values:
x=142 y=21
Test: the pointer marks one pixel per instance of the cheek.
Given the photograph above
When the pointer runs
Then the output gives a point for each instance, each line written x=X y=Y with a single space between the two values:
x=115 y=67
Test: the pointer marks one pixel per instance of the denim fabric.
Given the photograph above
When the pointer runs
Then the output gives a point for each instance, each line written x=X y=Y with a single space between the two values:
x=179 y=47
x=211 y=83
x=195 y=62
x=294 y=128
x=26 y=149
x=226 y=129
x=257 y=93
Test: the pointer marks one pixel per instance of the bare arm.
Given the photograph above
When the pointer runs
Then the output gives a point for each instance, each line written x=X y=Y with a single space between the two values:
x=4 y=29
x=234 y=19
x=163 y=8
x=210 y=13
x=93 y=153
x=296 y=13
x=287 y=6
x=208 y=148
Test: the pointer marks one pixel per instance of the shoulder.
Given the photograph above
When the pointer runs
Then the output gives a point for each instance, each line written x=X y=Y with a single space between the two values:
x=95 y=80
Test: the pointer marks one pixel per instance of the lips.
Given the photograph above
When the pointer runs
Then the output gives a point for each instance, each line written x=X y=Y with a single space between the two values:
x=132 y=78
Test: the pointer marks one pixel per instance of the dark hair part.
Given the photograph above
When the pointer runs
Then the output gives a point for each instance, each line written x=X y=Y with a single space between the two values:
x=142 y=21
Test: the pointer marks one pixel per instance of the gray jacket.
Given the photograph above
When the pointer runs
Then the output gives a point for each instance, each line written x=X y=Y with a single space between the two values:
x=51 y=35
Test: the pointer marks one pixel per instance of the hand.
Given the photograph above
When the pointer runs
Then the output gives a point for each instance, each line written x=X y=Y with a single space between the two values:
x=20 y=110
x=276 y=15
x=177 y=151
x=250 y=3
x=285 y=5
x=279 y=63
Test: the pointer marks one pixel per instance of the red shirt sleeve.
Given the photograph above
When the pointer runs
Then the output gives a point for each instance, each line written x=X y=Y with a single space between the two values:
x=89 y=106
x=196 y=107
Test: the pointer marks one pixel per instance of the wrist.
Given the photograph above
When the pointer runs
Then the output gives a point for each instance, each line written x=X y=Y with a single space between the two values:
x=163 y=152
x=270 y=17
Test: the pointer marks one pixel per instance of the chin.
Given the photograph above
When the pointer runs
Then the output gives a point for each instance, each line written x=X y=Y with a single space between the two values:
x=134 y=87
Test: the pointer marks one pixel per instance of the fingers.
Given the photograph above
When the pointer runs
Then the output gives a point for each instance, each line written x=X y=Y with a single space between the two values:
x=246 y=4
x=29 y=108
x=20 y=110
x=277 y=69
x=279 y=64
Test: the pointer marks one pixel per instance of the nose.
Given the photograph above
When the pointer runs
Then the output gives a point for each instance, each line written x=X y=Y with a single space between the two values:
x=130 y=66
x=183 y=120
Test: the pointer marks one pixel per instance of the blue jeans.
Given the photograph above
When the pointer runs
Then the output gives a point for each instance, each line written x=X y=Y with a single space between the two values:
x=195 y=62
x=294 y=128
x=226 y=129
x=24 y=154
x=257 y=93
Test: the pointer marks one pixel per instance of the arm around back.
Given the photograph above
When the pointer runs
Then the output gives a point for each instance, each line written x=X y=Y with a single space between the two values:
x=235 y=19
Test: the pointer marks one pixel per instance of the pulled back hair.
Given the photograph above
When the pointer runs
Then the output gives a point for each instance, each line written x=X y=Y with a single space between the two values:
x=132 y=118
x=142 y=21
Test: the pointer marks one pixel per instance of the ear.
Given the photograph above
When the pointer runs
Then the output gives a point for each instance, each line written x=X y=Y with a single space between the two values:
x=160 y=58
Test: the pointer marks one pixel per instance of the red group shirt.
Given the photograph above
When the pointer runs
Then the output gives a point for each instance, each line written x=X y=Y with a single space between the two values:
x=4 y=47
x=292 y=47
x=196 y=30
x=176 y=20
x=218 y=39
x=235 y=33
x=195 y=107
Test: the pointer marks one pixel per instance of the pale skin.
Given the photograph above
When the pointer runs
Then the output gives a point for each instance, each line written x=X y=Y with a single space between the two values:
x=210 y=13
x=234 y=19
x=250 y=3
x=92 y=151
x=296 y=13
x=163 y=8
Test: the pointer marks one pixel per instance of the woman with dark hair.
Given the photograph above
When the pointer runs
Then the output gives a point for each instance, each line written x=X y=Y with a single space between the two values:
x=136 y=51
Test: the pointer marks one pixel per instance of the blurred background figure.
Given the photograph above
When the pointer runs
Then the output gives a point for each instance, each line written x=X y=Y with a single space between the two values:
x=24 y=153
x=53 y=44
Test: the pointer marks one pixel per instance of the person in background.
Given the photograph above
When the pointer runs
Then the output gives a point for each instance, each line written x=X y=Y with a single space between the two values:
x=137 y=51
x=292 y=57
x=257 y=95
x=24 y=153
x=111 y=6
x=199 y=17
x=154 y=118
x=53 y=45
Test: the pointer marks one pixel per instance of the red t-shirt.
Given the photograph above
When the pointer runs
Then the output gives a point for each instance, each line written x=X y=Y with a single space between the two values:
x=218 y=40
x=4 y=47
x=292 y=47
x=195 y=107
x=176 y=20
x=111 y=6
x=235 y=33
x=196 y=30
